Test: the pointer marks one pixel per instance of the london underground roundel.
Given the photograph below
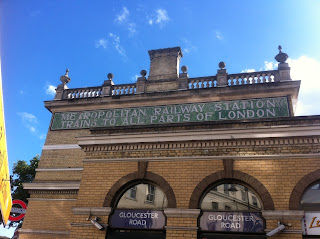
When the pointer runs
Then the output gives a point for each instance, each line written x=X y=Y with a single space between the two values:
x=19 y=209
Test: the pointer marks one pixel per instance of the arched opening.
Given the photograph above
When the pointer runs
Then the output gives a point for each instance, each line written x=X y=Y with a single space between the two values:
x=310 y=200
x=138 y=211
x=230 y=197
x=230 y=208
x=143 y=196
x=310 y=204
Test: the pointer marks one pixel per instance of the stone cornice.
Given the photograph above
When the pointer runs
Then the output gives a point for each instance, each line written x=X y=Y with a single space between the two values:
x=93 y=211
x=41 y=191
x=271 y=135
x=177 y=228
x=51 y=199
x=86 y=225
x=57 y=169
x=195 y=158
x=31 y=231
x=61 y=146
x=282 y=214
x=52 y=186
x=177 y=212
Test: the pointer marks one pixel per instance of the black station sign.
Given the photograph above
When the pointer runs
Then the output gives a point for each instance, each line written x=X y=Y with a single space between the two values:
x=248 y=222
x=137 y=219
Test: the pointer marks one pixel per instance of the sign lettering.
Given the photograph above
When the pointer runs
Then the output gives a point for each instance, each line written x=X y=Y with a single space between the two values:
x=249 y=222
x=139 y=219
x=168 y=114
x=311 y=223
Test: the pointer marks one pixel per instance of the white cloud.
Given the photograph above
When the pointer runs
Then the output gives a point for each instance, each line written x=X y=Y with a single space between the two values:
x=42 y=136
x=134 y=78
x=116 y=44
x=123 y=16
x=102 y=43
x=307 y=70
x=269 y=66
x=161 y=17
x=132 y=28
x=123 y=19
x=219 y=35
x=50 y=90
x=248 y=70
x=188 y=46
x=30 y=121
x=31 y=128
x=28 y=117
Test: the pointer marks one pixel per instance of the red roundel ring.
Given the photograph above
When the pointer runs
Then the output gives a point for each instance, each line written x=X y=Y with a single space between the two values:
x=23 y=205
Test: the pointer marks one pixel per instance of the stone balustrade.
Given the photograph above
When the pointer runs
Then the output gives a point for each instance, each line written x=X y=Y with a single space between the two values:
x=260 y=77
x=79 y=93
x=253 y=78
x=124 y=89
x=202 y=82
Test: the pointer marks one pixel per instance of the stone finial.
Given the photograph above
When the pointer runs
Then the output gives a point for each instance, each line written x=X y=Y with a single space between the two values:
x=65 y=79
x=281 y=57
x=222 y=65
x=110 y=76
x=184 y=69
x=143 y=73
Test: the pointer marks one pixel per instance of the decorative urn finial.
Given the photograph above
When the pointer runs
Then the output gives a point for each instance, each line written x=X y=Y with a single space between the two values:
x=184 y=69
x=110 y=76
x=65 y=79
x=281 y=57
x=222 y=65
x=143 y=73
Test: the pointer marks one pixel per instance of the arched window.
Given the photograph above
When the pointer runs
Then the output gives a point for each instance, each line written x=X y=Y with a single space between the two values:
x=143 y=196
x=310 y=200
x=230 y=197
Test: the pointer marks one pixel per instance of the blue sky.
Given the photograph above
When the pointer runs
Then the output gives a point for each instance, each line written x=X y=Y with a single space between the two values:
x=40 y=39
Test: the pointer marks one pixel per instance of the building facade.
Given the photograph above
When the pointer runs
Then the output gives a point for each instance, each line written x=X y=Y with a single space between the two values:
x=176 y=157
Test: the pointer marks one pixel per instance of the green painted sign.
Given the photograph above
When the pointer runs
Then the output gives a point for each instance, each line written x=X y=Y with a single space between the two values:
x=169 y=114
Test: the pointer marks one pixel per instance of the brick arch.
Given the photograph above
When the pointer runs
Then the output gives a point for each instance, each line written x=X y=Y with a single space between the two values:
x=300 y=188
x=255 y=184
x=125 y=182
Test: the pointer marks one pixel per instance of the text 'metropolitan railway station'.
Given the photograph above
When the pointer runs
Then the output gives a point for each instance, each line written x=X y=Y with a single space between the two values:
x=170 y=157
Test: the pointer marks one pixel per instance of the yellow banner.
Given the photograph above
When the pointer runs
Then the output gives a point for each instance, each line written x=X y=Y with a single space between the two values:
x=5 y=190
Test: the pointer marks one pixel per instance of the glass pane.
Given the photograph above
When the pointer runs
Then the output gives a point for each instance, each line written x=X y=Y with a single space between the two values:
x=230 y=197
x=143 y=196
x=311 y=198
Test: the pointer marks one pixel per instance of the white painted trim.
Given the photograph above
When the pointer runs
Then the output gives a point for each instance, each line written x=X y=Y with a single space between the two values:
x=215 y=134
x=57 y=169
x=31 y=231
x=52 y=186
x=51 y=199
x=61 y=146
x=198 y=158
